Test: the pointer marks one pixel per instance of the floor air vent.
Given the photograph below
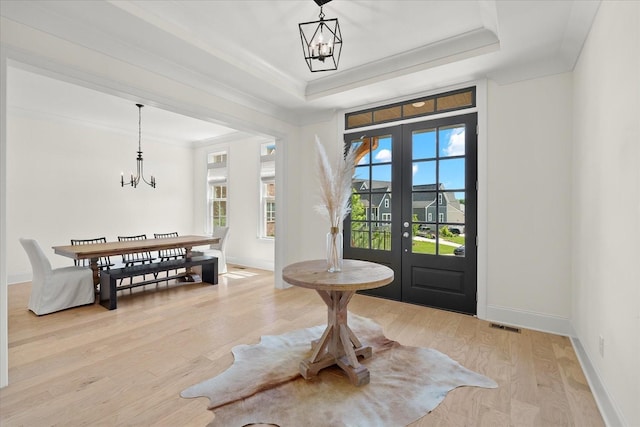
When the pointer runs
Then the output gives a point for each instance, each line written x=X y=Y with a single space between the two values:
x=505 y=327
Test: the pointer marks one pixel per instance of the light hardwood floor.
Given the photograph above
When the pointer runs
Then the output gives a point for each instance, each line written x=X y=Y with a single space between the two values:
x=126 y=367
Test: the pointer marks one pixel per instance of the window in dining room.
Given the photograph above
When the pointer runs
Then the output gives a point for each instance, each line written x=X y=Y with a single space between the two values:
x=268 y=190
x=217 y=174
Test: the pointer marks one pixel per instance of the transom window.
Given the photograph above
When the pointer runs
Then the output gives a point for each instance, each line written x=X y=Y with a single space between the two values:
x=428 y=105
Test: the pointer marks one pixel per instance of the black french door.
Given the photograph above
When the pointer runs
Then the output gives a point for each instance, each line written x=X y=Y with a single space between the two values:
x=414 y=210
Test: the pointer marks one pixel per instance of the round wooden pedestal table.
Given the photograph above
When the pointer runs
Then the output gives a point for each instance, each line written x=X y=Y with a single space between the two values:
x=338 y=345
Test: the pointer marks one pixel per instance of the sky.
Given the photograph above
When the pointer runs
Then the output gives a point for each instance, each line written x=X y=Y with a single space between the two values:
x=446 y=141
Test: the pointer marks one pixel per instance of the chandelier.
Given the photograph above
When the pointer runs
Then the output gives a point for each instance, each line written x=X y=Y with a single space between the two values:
x=135 y=180
x=321 y=42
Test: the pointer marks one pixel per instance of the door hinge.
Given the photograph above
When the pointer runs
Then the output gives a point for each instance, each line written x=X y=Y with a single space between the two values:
x=476 y=241
x=477 y=129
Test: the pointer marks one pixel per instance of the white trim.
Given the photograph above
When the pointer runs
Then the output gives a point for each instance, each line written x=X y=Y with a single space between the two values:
x=282 y=213
x=19 y=278
x=482 y=208
x=4 y=307
x=606 y=404
x=478 y=41
x=531 y=320
x=252 y=263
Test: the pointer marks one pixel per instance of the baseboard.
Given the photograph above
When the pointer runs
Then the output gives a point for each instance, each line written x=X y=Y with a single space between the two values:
x=18 y=278
x=530 y=320
x=612 y=417
x=252 y=263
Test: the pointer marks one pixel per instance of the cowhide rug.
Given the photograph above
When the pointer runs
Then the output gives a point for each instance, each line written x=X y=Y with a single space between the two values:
x=264 y=385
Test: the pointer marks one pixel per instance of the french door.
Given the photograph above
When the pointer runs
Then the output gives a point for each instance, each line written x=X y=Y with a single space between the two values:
x=414 y=209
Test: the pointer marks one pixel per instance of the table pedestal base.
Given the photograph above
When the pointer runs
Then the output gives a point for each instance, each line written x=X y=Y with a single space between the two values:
x=338 y=345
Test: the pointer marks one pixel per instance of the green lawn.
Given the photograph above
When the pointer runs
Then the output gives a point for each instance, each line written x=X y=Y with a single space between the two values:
x=430 y=247
x=422 y=247
x=454 y=239
x=419 y=246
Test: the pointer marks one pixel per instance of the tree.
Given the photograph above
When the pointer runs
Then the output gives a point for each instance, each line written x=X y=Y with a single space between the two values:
x=359 y=230
x=358 y=211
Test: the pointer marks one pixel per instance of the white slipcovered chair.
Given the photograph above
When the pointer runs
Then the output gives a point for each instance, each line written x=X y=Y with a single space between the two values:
x=56 y=289
x=218 y=249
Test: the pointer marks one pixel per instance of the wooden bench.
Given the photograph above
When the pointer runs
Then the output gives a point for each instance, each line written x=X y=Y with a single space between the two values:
x=207 y=271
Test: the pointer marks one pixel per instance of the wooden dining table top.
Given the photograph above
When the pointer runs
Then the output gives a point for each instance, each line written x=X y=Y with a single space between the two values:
x=96 y=250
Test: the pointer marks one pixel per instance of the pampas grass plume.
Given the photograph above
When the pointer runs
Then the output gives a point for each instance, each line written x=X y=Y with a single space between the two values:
x=335 y=185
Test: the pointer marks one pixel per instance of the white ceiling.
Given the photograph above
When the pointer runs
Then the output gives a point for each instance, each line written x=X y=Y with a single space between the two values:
x=250 y=51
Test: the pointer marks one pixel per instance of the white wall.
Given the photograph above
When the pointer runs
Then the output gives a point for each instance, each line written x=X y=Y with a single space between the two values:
x=529 y=202
x=606 y=205
x=314 y=226
x=244 y=246
x=64 y=182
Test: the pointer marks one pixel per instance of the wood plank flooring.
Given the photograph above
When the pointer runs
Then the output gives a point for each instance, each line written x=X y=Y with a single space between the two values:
x=126 y=367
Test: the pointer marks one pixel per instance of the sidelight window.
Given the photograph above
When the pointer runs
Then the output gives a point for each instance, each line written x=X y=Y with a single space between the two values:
x=268 y=190
x=217 y=185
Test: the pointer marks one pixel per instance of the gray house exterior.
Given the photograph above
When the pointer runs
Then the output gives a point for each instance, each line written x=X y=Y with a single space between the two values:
x=430 y=203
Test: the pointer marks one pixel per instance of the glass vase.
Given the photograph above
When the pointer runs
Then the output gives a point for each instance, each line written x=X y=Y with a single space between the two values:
x=334 y=250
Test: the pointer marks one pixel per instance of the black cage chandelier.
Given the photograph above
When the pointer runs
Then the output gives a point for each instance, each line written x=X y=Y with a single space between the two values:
x=321 y=42
x=135 y=180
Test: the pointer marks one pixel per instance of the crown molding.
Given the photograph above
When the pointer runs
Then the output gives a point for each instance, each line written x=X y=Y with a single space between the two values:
x=468 y=45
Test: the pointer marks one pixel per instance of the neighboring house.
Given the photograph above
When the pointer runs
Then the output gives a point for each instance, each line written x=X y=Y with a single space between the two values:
x=379 y=207
x=424 y=205
x=447 y=209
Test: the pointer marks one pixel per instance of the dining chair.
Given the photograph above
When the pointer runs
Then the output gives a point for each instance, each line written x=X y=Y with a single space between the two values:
x=172 y=253
x=219 y=249
x=56 y=289
x=137 y=257
x=104 y=263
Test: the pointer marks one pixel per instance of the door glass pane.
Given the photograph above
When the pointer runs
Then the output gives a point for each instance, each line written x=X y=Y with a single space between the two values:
x=423 y=206
x=362 y=148
x=381 y=177
x=381 y=236
x=451 y=140
x=424 y=174
x=361 y=175
x=424 y=239
x=359 y=234
x=449 y=240
x=381 y=149
x=452 y=174
x=451 y=210
x=424 y=144
x=360 y=205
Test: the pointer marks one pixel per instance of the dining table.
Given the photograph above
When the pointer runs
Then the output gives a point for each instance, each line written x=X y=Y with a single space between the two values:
x=338 y=344
x=94 y=251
